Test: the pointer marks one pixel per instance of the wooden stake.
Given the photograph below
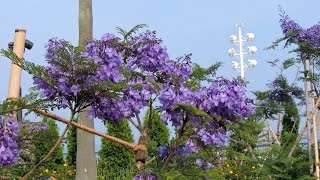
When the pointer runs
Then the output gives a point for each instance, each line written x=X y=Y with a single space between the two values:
x=315 y=138
x=306 y=91
x=15 y=73
x=278 y=125
x=273 y=135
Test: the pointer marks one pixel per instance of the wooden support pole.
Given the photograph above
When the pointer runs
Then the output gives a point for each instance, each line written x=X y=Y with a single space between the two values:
x=273 y=135
x=15 y=73
x=315 y=138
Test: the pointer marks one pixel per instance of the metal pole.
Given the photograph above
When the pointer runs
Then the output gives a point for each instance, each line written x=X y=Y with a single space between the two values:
x=241 y=53
x=15 y=73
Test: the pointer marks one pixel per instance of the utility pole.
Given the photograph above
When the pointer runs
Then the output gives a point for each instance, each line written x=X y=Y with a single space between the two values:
x=86 y=160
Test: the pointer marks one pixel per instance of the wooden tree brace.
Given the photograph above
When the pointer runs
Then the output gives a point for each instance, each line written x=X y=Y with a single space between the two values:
x=309 y=116
x=315 y=99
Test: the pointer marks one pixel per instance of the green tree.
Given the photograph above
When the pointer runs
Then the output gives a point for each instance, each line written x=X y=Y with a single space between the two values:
x=241 y=153
x=290 y=123
x=72 y=149
x=115 y=159
x=159 y=132
x=44 y=141
x=72 y=146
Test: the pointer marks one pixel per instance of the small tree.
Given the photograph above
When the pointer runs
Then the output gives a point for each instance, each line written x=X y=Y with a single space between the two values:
x=44 y=140
x=115 y=159
x=159 y=132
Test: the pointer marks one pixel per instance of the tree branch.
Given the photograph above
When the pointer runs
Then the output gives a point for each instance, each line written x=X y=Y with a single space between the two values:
x=175 y=145
x=138 y=119
x=49 y=154
x=130 y=146
x=135 y=125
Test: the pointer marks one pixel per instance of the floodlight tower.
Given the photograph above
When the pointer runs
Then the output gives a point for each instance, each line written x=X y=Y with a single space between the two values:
x=241 y=53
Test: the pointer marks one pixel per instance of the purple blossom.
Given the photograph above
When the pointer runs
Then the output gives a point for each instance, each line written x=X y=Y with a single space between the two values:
x=41 y=127
x=223 y=98
x=146 y=176
x=204 y=165
x=281 y=91
x=163 y=151
x=292 y=30
x=9 y=132
x=208 y=166
x=192 y=146
x=75 y=90
x=199 y=162
x=151 y=55
x=143 y=69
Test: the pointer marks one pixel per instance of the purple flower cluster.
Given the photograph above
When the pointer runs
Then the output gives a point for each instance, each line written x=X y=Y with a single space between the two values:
x=145 y=176
x=218 y=136
x=73 y=76
x=204 y=165
x=9 y=132
x=223 y=98
x=281 y=91
x=182 y=150
x=149 y=54
x=294 y=31
x=63 y=80
x=74 y=79
x=131 y=102
x=107 y=61
x=40 y=127
x=178 y=70
x=106 y=57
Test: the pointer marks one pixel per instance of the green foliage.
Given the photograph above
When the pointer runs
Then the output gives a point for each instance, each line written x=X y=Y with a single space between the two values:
x=290 y=124
x=44 y=141
x=128 y=34
x=62 y=171
x=200 y=74
x=288 y=63
x=275 y=43
x=279 y=166
x=30 y=101
x=241 y=157
x=245 y=161
x=159 y=132
x=114 y=158
x=193 y=110
x=245 y=135
x=184 y=167
x=72 y=145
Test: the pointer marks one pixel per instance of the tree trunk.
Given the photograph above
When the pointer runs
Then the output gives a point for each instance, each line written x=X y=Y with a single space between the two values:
x=86 y=161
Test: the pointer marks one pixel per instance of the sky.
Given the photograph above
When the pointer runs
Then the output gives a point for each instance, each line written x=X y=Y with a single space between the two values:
x=199 y=27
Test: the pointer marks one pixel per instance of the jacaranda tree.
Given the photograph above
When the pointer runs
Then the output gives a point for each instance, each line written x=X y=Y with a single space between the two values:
x=117 y=77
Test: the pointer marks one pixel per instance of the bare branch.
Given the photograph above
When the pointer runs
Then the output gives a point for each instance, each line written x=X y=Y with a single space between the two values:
x=135 y=125
x=138 y=119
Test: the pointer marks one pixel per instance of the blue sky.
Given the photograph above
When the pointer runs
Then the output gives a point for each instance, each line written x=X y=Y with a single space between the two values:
x=198 y=27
